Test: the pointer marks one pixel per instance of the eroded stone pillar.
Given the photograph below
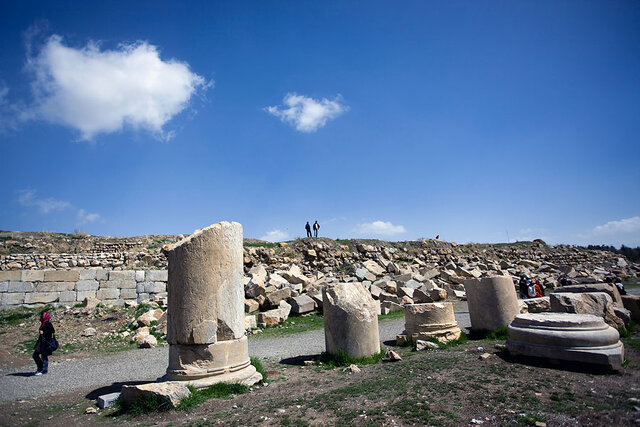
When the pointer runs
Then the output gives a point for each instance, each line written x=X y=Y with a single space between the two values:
x=205 y=310
x=431 y=320
x=492 y=302
x=350 y=320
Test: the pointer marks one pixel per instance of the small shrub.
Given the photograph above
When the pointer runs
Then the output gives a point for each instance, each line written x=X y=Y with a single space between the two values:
x=259 y=368
x=221 y=390
x=148 y=403
x=497 y=334
x=624 y=332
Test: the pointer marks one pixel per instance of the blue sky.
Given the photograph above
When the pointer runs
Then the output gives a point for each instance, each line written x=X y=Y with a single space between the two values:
x=478 y=121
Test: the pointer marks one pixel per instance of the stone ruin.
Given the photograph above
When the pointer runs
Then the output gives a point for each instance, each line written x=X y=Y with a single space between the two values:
x=580 y=338
x=430 y=320
x=350 y=320
x=492 y=302
x=205 y=314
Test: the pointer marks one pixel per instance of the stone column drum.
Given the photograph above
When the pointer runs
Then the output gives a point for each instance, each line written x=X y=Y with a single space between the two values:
x=205 y=310
x=492 y=302
x=431 y=320
x=350 y=320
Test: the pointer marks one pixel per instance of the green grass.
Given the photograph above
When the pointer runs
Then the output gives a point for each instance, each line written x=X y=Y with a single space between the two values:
x=391 y=316
x=215 y=391
x=453 y=343
x=497 y=334
x=15 y=316
x=259 y=368
x=529 y=420
x=146 y=404
x=293 y=325
x=343 y=359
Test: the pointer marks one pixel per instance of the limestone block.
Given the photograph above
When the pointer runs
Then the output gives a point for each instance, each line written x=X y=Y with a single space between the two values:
x=82 y=295
x=108 y=400
x=294 y=275
x=350 y=320
x=122 y=275
x=87 y=285
x=251 y=305
x=4 y=286
x=109 y=284
x=537 y=305
x=431 y=320
x=258 y=274
x=101 y=274
x=128 y=294
x=632 y=303
x=32 y=275
x=109 y=293
x=423 y=295
x=596 y=303
x=302 y=304
x=562 y=336
x=607 y=288
x=274 y=298
x=254 y=290
x=126 y=284
x=61 y=275
x=41 y=297
x=13 y=298
x=21 y=287
x=142 y=297
x=139 y=275
x=67 y=296
x=55 y=286
x=387 y=307
x=87 y=274
x=155 y=287
x=374 y=267
x=145 y=319
x=6 y=276
x=250 y=321
x=492 y=302
x=170 y=392
x=157 y=275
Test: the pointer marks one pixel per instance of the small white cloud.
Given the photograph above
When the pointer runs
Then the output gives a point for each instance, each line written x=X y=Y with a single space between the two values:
x=307 y=114
x=275 y=236
x=381 y=228
x=28 y=198
x=101 y=91
x=627 y=225
x=86 y=218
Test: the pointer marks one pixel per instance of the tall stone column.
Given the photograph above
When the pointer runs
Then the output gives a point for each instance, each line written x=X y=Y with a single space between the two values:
x=205 y=310
x=492 y=302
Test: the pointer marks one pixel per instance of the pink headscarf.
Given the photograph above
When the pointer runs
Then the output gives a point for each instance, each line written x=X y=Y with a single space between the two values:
x=45 y=318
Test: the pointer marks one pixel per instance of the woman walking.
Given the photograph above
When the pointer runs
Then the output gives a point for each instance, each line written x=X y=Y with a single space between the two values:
x=41 y=349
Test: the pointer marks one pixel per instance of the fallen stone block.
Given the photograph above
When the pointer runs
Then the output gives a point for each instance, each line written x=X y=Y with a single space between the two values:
x=537 y=305
x=302 y=304
x=607 y=288
x=169 y=393
x=596 y=303
x=108 y=400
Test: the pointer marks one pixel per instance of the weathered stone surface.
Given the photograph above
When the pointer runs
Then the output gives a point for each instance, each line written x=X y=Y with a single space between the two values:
x=205 y=307
x=607 y=288
x=122 y=275
x=294 y=275
x=67 y=296
x=302 y=304
x=156 y=275
x=108 y=400
x=103 y=294
x=251 y=305
x=40 y=297
x=431 y=320
x=149 y=342
x=537 y=305
x=172 y=392
x=387 y=307
x=632 y=303
x=250 y=321
x=275 y=316
x=10 y=275
x=145 y=319
x=87 y=285
x=423 y=295
x=128 y=294
x=13 y=298
x=274 y=298
x=140 y=334
x=374 y=267
x=258 y=275
x=83 y=295
x=32 y=276
x=596 y=303
x=90 y=302
x=21 y=287
x=561 y=336
x=350 y=320
x=492 y=302
x=61 y=275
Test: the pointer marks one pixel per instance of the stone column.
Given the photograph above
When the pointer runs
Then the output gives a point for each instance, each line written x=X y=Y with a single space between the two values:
x=431 y=320
x=205 y=310
x=350 y=320
x=492 y=302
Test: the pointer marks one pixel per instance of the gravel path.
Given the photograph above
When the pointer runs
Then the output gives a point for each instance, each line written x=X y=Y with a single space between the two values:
x=150 y=364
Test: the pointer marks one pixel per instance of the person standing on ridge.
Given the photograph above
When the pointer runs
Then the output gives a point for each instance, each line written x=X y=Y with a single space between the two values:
x=316 y=227
x=308 y=228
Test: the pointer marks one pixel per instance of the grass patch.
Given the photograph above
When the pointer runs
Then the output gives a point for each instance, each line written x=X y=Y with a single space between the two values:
x=624 y=332
x=499 y=334
x=293 y=325
x=16 y=316
x=343 y=359
x=147 y=404
x=529 y=420
x=215 y=391
x=259 y=368
x=453 y=343
x=391 y=316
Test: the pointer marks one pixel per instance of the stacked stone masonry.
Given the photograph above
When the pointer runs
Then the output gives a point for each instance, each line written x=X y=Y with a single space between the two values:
x=68 y=287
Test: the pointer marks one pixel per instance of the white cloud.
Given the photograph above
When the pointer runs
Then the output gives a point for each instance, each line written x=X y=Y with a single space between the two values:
x=627 y=225
x=28 y=198
x=85 y=217
x=275 y=236
x=101 y=91
x=307 y=114
x=381 y=228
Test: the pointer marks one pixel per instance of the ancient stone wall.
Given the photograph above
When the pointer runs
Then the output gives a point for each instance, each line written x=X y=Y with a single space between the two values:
x=69 y=287
x=116 y=260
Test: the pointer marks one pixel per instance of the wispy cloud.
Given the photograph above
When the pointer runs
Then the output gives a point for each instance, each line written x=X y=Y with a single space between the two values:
x=627 y=225
x=86 y=218
x=28 y=198
x=275 y=236
x=380 y=228
x=307 y=114
x=98 y=91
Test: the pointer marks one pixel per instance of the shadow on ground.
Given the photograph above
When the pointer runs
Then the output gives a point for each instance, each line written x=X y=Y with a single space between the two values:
x=113 y=388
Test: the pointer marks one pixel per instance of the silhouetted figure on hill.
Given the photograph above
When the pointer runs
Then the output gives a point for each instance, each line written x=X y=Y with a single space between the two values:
x=316 y=227
x=308 y=228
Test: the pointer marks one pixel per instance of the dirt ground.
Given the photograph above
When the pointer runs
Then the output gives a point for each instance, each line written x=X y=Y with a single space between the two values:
x=437 y=387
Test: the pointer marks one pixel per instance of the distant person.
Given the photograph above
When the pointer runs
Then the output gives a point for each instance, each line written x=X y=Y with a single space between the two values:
x=523 y=287
x=42 y=349
x=618 y=283
x=438 y=237
x=316 y=227
x=308 y=228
